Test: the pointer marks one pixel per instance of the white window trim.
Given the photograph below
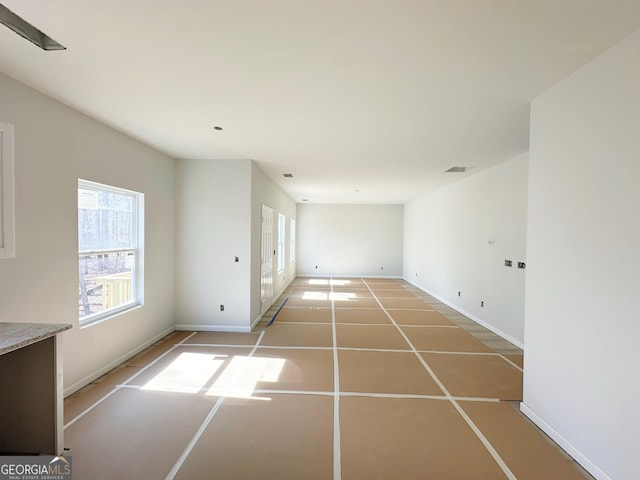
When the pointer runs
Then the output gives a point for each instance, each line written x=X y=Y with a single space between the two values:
x=282 y=231
x=292 y=241
x=138 y=233
x=7 y=193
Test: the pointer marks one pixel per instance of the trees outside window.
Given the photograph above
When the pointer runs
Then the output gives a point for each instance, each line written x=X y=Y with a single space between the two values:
x=109 y=250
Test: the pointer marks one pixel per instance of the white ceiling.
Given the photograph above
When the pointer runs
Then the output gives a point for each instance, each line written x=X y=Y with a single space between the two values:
x=379 y=96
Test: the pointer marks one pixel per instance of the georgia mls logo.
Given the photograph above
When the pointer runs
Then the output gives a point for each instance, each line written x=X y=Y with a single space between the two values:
x=63 y=462
x=35 y=468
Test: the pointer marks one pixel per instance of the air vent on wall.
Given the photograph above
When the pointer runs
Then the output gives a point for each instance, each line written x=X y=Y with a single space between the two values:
x=287 y=175
x=28 y=31
x=458 y=169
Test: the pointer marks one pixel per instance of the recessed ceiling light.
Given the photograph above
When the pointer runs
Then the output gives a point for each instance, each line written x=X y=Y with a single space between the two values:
x=28 y=31
x=217 y=128
x=458 y=169
x=288 y=175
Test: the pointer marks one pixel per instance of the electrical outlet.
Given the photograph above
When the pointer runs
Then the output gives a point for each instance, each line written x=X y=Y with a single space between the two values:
x=222 y=308
x=508 y=263
x=458 y=293
x=522 y=265
x=482 y=303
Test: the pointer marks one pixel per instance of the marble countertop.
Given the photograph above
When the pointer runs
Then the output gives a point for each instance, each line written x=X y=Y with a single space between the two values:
x=17 y=335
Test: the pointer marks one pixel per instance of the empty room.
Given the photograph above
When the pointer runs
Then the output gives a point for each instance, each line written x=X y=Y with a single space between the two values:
x=319 y=240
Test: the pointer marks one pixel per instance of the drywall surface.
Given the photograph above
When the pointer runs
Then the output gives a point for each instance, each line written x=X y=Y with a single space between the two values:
x=213 y=228
x=358 y=240
x=457 y=239
x=54 y=146
x=265 y=191
x=581 y=323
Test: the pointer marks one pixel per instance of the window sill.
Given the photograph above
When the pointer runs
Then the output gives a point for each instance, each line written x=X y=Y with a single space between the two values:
x=97 y=318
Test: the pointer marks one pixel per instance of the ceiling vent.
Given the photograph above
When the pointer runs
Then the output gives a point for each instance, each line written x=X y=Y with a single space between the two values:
x=288 y=175
x=28 y=31
x=458 y=169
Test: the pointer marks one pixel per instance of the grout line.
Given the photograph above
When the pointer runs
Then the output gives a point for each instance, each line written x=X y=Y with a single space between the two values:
x=337 y=462
x=481 y=399
x=428 y=326
x=221 y=345
x=304 y=323
x=339 y=307
x=87 y=410
x=138 y=373
x=366 y=324
x=300 y=347
x=492 y=451
x=365 y=349
x=408 y=309
x=393 y=395
x=427 y=397
x=511 y=362
x=302 y=306
x=397 y=298
x=446 y=352
x=176 y=467
x=115 y=389
x=266 y=391
x=295 y=392
x=361 y=349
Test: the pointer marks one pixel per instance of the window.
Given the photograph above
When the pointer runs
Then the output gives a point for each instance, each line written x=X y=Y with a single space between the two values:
x=292 y=241
x=281 y=234
x=109 y=250
x=7 y=225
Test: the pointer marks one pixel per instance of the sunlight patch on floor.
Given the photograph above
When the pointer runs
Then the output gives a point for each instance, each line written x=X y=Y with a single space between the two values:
x=186 y=374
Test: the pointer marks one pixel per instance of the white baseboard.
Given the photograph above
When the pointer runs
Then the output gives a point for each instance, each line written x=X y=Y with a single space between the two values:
x=276 y=296
x=479 y=321
x=356 y=275
x=577 y=455
x=282 y=290
x=229 y=328
x=213 y=328
x=118 y=361
x=256 y=321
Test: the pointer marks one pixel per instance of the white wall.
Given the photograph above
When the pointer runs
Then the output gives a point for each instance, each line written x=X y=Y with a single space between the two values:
x=350 y=240
x=213 y=227
x=582 y=329
x=447 y=247
x=219 y=218
x=265 y=191
x=54 y=146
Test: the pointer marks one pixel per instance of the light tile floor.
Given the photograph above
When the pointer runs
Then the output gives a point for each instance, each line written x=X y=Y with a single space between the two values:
x=356 y=379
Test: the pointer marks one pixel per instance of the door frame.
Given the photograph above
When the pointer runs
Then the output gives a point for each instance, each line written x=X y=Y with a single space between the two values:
x=266 y=259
